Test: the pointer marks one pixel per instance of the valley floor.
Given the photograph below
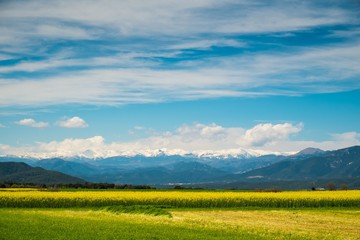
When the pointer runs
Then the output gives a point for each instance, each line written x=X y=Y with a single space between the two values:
x=325 y=223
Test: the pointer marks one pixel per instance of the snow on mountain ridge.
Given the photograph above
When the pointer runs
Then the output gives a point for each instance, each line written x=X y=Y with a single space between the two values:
x=90 y=154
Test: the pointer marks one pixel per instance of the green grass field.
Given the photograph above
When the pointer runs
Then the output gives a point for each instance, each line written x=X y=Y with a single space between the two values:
x=184 y=224
x=170 y=222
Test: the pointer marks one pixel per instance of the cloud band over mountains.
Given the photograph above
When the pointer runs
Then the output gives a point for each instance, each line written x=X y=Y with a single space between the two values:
x=197 y=139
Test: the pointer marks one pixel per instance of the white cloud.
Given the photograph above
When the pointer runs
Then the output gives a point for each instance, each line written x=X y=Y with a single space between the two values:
x=2 y=125
x=74 y=122
x=91 y=147
x=198 y=139
x=263 y=134
x=32 y=123
x=201 y=131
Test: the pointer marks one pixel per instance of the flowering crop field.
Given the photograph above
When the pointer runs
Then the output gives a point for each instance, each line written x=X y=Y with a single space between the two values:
x=35 y=214
x=181 y=199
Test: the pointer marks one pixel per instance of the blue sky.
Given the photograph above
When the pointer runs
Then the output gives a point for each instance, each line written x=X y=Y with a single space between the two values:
x=104 y=78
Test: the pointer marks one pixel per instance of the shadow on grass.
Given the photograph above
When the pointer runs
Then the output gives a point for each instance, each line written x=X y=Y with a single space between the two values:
x=139 y=209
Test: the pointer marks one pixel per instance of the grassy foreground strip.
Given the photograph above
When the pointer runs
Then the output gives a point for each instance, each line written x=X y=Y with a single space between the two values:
x=24 y=224
x=331 y=224
x=182 y=199
x=282 y=223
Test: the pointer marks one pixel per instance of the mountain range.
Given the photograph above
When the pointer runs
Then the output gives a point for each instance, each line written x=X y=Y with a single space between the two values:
x=308 y=165
x=161 y=169
x=344 y=163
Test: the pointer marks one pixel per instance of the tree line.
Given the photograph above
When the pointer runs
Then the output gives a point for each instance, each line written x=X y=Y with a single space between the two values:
x=86 y=185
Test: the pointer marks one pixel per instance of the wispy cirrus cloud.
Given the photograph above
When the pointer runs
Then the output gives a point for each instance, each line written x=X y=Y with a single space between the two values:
x=24 y=21
x=125 y=52
x=308 y=71
x=123 y=21
x=180 y=18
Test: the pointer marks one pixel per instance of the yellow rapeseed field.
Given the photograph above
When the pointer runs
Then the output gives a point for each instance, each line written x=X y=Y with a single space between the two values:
x=190 y=199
